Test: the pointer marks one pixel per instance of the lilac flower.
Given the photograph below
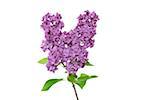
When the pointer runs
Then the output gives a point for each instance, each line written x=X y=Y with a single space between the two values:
x=70 y=47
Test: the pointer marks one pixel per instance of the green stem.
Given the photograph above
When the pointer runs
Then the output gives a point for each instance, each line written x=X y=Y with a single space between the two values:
x=75 y=91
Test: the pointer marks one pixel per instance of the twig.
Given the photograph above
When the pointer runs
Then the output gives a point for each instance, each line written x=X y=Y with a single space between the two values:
x=75 y=91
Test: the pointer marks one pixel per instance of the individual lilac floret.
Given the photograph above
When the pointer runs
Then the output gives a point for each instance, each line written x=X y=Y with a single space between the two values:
x=70 y=47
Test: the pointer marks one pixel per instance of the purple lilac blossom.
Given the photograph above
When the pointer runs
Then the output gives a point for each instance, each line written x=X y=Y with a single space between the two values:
x=70 y=47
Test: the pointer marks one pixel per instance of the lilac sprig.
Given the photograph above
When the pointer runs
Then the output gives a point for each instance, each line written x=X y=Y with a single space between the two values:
x=68 y=48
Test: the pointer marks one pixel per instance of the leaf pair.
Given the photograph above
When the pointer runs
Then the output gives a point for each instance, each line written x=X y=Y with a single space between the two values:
x=45 y=60
x=80 y=81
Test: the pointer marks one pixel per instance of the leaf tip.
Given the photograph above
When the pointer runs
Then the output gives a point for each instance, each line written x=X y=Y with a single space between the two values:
x=94 y=76
x=88 y=64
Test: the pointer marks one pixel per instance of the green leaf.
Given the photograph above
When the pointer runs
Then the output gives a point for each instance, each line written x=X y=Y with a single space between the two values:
x=43 y=61
x=88 y=64
x=72 y=78
x=81 y=81
x=50 y=83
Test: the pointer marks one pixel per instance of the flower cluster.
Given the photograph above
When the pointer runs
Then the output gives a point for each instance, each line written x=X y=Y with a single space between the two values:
x=68 y=48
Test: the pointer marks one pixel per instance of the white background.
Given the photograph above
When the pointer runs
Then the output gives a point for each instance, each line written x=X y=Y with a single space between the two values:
x=121 y=54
